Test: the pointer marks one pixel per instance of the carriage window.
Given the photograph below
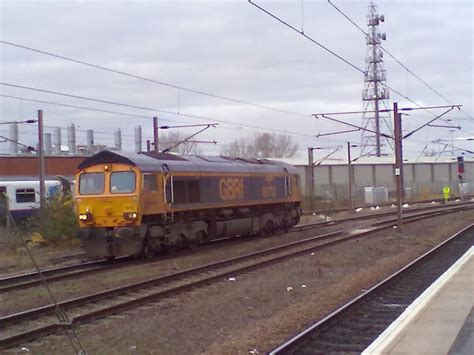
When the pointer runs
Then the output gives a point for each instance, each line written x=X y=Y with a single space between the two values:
x=149 y=183
x=122 y=182
x=25 y=195
x=91 y=183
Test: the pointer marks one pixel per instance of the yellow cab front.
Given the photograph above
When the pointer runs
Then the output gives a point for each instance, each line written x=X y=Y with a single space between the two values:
x=108 y=209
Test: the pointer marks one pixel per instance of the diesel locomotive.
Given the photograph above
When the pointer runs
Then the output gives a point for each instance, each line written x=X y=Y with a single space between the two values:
x=141 y=203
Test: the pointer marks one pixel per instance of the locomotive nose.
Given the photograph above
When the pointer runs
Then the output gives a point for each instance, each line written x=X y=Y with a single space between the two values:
x=108 y=212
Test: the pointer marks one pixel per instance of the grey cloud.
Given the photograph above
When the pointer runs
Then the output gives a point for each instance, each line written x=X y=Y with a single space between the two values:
x=231 y=49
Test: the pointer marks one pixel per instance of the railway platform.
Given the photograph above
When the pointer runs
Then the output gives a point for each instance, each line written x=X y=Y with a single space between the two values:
x=439 y=321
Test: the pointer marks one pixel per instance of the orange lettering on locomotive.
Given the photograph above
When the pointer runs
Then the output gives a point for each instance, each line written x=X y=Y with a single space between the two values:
x=231 y=188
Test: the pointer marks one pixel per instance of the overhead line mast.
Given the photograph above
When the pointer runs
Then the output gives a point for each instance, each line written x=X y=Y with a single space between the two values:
x=375 y=93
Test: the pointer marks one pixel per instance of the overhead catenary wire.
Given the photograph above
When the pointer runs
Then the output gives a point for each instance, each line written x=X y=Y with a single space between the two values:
x=307 y=37
x=158 y=82
x=6 y=139
x=396 y=59
x=81 y=107
x=333 y=53
x=168 y=84
x=94 y=110
x=221 y=127
x=155 y=110
x=111 y=135
x=239 y=125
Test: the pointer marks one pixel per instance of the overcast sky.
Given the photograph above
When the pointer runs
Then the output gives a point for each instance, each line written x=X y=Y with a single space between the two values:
x=231 y=49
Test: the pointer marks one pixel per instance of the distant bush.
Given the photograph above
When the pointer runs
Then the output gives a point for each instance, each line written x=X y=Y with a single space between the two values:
x=60 y=223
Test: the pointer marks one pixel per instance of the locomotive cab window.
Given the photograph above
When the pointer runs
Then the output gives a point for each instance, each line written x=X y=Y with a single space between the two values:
x=25 y=195
x=122 y=182
x=91 y=183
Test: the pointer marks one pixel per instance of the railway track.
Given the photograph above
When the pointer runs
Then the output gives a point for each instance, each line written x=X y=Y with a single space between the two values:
x=31 y=324
x=58 y=273
x=377 y=215
x=354 y=326
x=386 y=204
x=31 y=279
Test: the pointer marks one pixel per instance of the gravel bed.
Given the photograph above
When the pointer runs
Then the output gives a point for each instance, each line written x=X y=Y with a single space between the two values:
x=37 y=296
x=261 y=309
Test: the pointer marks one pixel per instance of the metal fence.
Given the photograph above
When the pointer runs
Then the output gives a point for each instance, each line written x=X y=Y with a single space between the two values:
x=421 y=180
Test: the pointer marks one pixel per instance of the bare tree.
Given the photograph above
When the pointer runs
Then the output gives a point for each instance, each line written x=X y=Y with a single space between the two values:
x=285 y=147
x=236 y=148
x=175 y=137
x=262 y=145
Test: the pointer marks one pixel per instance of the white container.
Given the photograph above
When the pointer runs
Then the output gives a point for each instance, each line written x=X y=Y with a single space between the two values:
x=375 y=195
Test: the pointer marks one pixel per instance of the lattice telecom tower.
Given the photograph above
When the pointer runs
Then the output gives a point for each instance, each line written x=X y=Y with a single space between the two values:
x=375 y=94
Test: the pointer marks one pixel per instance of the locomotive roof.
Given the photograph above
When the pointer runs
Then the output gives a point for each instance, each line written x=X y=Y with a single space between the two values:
x=156 y=162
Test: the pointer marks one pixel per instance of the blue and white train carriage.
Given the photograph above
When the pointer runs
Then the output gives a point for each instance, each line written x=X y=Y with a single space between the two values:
x=23 y=192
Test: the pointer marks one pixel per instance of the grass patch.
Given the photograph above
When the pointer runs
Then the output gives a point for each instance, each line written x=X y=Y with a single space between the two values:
x=11 y=238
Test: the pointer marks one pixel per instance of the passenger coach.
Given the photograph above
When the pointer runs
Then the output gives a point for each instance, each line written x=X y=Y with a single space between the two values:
x=139 y=203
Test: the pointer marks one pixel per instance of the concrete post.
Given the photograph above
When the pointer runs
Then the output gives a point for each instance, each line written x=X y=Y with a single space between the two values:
x=14 y=138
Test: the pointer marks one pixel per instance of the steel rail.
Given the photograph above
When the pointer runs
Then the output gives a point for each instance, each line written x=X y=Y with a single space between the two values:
x=300 y=337
x=344 y=235
x=31 y=279
x=378 y=214
x=385 y=204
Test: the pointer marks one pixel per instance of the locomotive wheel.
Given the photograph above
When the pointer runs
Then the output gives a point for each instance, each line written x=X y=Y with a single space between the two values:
x=267 y=229
x=194 y=243
x=149 y=252
x=296 y=220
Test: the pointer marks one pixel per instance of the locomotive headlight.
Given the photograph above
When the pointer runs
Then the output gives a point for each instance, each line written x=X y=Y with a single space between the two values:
x=130 y=215
x=84 y=217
